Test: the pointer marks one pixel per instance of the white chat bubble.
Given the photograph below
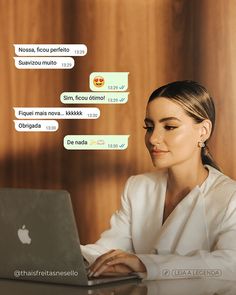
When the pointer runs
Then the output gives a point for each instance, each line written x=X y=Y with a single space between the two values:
x=36 y=125
x=108 y=81
x=44 y=62
x=56 y=113
x=94 y=97
x=96 y=142
x=50 y=49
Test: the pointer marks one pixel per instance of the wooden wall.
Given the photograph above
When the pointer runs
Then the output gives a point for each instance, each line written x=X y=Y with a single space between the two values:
x=157 y=41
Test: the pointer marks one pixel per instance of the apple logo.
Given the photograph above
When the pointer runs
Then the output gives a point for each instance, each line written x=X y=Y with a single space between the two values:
x=23 y=235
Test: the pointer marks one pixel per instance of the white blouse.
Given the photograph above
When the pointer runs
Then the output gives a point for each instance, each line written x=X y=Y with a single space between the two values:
x=198 y=239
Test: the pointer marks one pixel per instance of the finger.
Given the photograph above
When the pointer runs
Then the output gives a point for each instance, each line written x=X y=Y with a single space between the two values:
x=126 y=261
x=102 y=260
x=101 y=266
x=99 y=261
x=132 y=262
x=119 y=269
x=102 y=269
x=117 y=260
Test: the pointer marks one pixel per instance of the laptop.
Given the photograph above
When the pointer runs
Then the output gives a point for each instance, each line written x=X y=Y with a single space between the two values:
x=39 y=239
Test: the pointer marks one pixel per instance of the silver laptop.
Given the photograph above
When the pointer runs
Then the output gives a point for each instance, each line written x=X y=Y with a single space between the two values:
x=39 y=239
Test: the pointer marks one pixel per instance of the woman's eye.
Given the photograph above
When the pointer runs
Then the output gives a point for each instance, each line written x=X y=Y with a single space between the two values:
x=148 y=128
x=170 y=127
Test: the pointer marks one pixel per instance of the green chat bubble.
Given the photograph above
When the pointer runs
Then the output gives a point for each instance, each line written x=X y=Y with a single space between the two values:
x=96 y=142
x=94 y=97
x=108 y=81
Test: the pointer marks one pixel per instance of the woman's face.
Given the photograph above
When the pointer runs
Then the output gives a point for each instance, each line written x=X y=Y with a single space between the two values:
x=172 y=136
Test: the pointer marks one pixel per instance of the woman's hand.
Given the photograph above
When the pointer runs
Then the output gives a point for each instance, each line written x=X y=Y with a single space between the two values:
x=115 y=263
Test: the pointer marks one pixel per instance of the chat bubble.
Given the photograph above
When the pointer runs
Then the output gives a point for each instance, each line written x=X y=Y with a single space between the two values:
x=57 y=113
x=95 y=98
x=96 y=142
x=36 y=125
x=44 y=62
x=108 y=81
x=50 y=49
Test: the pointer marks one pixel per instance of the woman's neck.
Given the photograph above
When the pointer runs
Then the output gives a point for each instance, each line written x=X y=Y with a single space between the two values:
x=183 y=178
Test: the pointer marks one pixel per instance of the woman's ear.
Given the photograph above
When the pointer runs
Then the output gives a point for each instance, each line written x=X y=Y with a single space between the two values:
x=205 y=129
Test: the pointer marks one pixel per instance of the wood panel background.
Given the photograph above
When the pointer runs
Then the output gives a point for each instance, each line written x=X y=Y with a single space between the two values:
x=157 y=41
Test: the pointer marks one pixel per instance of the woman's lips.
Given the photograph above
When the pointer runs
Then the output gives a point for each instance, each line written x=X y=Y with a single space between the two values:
x=158 y=152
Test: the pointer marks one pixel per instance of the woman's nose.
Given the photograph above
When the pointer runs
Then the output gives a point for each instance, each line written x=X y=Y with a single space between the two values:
x=156 y=137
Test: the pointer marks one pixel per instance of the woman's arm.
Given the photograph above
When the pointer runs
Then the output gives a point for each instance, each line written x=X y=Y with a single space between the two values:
x=218 y=264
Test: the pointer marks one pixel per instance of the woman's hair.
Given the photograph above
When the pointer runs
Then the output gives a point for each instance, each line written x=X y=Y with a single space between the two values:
x=197 y=104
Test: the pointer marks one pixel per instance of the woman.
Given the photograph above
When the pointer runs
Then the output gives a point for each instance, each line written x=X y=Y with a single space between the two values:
x=179 y=221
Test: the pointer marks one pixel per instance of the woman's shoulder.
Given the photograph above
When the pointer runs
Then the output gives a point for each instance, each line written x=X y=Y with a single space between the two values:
x=220 y=195
x=218 y=179
x=219 y=184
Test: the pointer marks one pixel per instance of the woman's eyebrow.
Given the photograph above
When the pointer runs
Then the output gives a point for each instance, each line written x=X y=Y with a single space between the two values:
x=169 y=118
x=147 y=120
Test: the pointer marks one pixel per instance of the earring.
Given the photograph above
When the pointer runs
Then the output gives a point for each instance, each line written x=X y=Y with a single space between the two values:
x=201 y=144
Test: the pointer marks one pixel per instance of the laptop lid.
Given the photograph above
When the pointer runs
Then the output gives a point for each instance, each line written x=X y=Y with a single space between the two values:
x=40 y=241
x=39 y=237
